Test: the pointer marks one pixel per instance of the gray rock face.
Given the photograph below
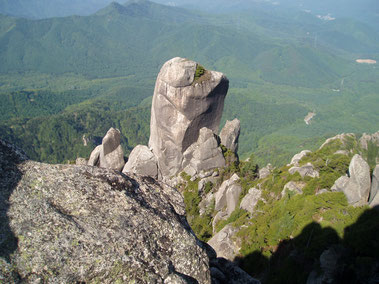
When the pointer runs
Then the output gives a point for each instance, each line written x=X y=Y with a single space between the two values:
x=374 y=186
x=342 y=137
x=265 y=171
x=357 y=187
x=296 y=158
x=94 y=158
x=359 y=175
x=230 y=133
x=340 y=183
x=220 y=196
x=294 y=186
x=203 y=155
x=232 y=197
x=367 y=138
x=306 y=170
x=112 y=155
x=142 y=162
x=81 y=161
x=180 y=108
x=223 y=243
x=251 y=199
x=109 y=154
x=72 y=224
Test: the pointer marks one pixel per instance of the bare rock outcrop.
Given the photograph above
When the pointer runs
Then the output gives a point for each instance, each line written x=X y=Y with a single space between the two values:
x=204 y=154
x=296 y=158
x=223 y=243
x=183 y=104
x=109 y=154
x=142 y=162
x=374 y=197
x=342 y=137
x=357 y=186
x=369 y=138
x=306 y=170
x=230 y=133
x=76 y=224
x=265 y=171
x=293 y=186
x=221 y=200
x=250 y=200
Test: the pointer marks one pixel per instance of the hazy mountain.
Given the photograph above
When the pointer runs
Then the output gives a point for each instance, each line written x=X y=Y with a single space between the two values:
x=50 y=8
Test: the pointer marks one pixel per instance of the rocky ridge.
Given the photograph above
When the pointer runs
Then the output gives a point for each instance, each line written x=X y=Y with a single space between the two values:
x=67 y=223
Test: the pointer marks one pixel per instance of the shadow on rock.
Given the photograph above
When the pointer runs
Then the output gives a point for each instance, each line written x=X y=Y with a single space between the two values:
x=10 y=175
x=319 y=255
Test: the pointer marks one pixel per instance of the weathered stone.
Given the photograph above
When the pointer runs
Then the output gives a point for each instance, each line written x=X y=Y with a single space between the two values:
x=221 y=215
x=181 y=107
x=75 y=224
x=80 y=161
x=342 y=137
x=203 y=155
x=111 y=154
x=223 y=243
x=231 y=273
x=220 y=196
x=251 y=199
x=205 y=203
x=296 y=158
x=293 y=186
x=306 y=170
x=142 y=162
x=367 y=138
x=340 y=183
x=230 y=133
x=374 y=185
x=321 y=191
x=342 y=152
x=232 y=197
x=359 y=172
x=94 y=158
x=265 y=171
x=357 y=187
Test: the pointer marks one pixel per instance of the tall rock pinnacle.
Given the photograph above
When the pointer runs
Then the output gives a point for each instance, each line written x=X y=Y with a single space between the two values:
x=186 y=99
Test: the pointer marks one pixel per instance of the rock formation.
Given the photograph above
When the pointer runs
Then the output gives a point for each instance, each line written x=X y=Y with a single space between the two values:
x=341 y=137
x=142 y=161
x=293 y=186
x=183 y=104
x=204 y=154
x=357 y=186
x=221 y=199
x=306 y=170
x=265 y=171
x=250 y=201
x=223 y=243
x=230 y=133
x=374 y=197
x=369 y=138
x=109 y=154
x=79 y=224
x=296 y=158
